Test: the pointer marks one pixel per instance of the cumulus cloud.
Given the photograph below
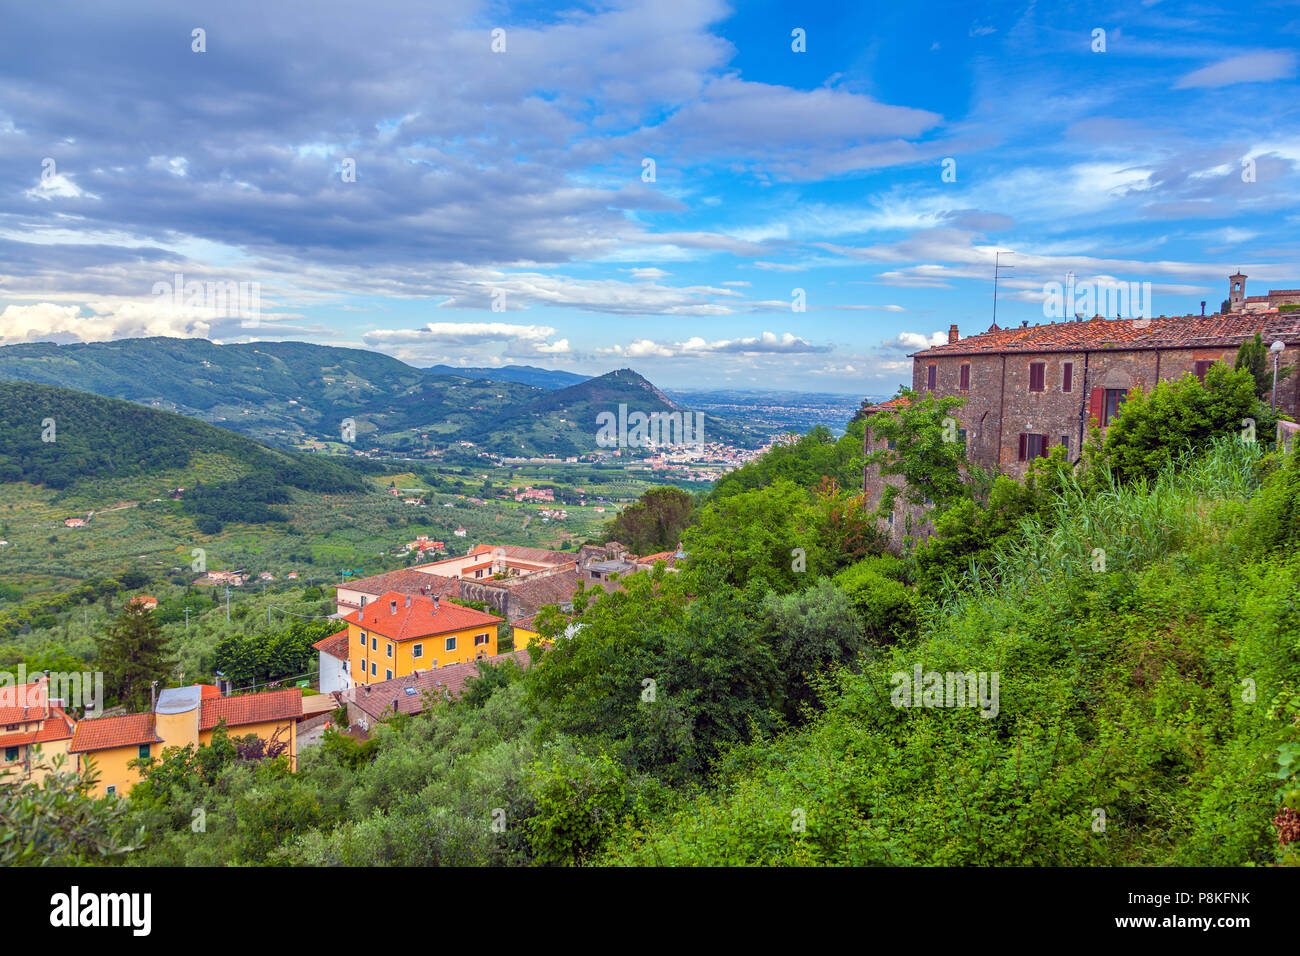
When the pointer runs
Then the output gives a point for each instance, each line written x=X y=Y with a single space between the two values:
x=766 y=343
x=916 y=341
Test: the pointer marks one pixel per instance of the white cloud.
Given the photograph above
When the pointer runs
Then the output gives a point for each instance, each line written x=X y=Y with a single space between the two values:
x=766 y=342
x=1247 y=68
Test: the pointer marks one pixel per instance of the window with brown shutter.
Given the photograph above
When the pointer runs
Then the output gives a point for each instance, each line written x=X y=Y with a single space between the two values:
x=1202 y=368
x=1067 y=377
x=965 y=376
x=1097 y=405
x=1037 y=376
x=930 y=373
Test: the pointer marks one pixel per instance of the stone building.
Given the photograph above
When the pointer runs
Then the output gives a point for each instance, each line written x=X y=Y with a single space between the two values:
x=1238 y=301
x=1032 y=388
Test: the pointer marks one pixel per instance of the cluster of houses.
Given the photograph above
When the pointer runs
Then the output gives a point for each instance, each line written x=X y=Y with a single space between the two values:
x=407 y=623
x=1032 y=388
x=37 y=728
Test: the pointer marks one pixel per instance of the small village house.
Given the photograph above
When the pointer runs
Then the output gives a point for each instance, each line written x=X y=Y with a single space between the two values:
x=181 y=716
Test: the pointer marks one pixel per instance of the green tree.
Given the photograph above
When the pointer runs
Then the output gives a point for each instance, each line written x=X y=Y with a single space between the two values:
x=811 y=631
x=58 y=823
x=579 y=802
x=1253 y=356
x=927 y=452
x=654 y=522
x=1184 y=414
x=133 y=654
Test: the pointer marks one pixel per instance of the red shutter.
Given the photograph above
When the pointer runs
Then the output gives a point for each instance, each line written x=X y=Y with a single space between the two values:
x=1067 y=377
x=1097 y=404
x=1023 y=442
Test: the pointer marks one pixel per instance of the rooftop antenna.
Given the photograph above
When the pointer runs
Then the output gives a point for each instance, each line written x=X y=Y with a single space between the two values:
x=997 y=266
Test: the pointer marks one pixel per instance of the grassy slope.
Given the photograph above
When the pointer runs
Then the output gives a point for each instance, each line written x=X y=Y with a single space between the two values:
x=1120 y=694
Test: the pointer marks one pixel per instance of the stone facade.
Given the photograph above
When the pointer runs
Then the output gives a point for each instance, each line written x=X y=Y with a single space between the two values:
x=1033 y=388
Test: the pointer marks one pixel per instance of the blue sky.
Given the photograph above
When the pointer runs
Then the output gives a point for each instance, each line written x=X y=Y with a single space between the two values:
x=516 y=178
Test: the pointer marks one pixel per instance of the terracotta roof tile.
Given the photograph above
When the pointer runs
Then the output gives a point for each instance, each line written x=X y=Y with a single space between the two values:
x=407 y=581
x=252 y=708
x=23 y=702
x=336 y=645
x=1188 y=331
x=101 y=733
x=419 y=619
x=388 y=696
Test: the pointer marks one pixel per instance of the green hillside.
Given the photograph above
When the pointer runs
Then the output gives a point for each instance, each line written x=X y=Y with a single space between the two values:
x=564 y=422
x=291 y=393
x=280 y=392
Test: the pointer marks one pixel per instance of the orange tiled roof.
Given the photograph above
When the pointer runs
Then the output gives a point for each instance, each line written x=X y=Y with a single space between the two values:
x=102 y=733
x=23 y=702
x=1188 y=331
x=336 y=645
x=252 y=708
x=420 y=619
x=407 y=581
x=902 y=401
x=58 y=726
x=522 y=553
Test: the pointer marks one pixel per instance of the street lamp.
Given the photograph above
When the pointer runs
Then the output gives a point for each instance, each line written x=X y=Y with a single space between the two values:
x=1276 y=348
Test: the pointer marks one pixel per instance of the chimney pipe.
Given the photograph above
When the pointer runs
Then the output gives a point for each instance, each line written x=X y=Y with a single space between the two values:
x=1202 y=308
x=392 y=607
x=953 y=337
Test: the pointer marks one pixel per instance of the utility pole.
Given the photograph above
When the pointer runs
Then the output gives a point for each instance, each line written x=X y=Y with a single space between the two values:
x=1276 y=348
x=187 y=619
x=227 y=602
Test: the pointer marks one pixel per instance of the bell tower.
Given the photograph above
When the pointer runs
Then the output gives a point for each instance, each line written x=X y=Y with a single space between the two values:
x=1236 y=292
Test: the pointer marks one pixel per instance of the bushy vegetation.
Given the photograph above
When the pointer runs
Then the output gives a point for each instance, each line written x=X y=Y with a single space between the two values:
x=1140 y=621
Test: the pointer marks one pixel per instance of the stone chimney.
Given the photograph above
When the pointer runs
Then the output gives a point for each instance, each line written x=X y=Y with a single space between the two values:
x=953 y=337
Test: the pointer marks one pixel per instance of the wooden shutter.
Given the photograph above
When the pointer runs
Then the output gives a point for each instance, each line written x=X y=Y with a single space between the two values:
x=1042 y=446
x=930 y=376
x=1024 y=440
x=965 y=376
x=1067 y=377
x=1097 y=404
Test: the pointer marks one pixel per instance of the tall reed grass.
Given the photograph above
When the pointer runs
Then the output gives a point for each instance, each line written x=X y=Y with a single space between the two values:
x=1126 y=526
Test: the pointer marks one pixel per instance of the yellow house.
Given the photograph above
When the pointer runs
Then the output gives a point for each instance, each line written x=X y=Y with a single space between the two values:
x=33 y=730
x=402 y=633
x=183 y=715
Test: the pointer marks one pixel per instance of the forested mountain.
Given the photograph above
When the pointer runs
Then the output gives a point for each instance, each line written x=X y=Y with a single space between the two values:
x=523 y=374
x=287 y=393
x=62 y=438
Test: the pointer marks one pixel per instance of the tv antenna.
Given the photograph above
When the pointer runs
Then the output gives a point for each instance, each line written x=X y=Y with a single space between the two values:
x=997 y=267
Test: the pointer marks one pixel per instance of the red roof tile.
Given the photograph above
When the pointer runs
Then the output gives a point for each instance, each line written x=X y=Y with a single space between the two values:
x=419 y=619
x=407 y=581
x=23 y=702
x=336 y=645
x=386 y=696
x=252 y=708
x=1188 y=331
x=58 y=726
x=101 y=733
